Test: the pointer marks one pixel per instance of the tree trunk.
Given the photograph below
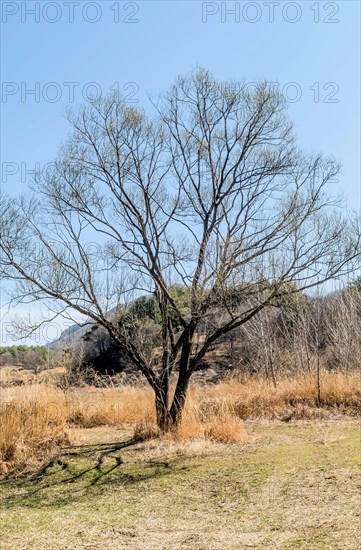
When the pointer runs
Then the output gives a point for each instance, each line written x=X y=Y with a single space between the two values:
x=179 y=399
x=168 y=418
x=271 y=365
x=164 y=422
x=180 y=393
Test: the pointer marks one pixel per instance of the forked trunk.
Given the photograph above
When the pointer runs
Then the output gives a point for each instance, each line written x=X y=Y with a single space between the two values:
x=179 y=399
x=164 y=420
x=170 y=417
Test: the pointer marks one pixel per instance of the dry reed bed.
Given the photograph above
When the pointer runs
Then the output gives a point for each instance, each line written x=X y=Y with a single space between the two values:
x=35 y=419
x=28 y=435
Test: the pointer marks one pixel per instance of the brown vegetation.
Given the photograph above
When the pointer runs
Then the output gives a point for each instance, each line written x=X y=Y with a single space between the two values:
x=36 y=419
x=31 y=431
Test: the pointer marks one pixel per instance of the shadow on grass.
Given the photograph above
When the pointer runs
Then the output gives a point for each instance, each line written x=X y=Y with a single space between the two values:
x=74 y=473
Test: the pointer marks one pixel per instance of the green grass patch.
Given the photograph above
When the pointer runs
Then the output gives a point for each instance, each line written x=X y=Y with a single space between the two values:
x=295 y=486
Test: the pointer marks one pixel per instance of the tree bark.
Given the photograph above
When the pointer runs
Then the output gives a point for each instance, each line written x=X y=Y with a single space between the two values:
x=179 y=399
x=164 y=421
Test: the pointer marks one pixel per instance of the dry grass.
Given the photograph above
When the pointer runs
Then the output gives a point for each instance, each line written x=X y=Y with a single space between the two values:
x=35 y=418
x=222 y=427
x=31 y=430
x=292 y=397
x=15 y=374
x=89 y=407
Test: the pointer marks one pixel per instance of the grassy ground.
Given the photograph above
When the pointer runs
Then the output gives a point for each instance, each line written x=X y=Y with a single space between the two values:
x=294 y=485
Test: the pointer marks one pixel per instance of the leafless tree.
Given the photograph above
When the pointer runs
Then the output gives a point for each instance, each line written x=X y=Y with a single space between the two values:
x=210 y=192
x=342 y=329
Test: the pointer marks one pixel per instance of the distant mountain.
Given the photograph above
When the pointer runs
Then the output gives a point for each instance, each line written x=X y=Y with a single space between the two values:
x=70 y=336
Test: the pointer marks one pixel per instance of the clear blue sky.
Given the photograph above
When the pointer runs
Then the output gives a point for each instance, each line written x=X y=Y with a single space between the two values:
x=311 y=48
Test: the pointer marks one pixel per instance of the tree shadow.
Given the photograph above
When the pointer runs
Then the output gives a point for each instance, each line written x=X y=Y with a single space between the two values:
x=74 y=472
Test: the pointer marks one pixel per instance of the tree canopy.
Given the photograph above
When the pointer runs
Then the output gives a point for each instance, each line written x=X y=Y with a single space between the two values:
x=208 y=193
